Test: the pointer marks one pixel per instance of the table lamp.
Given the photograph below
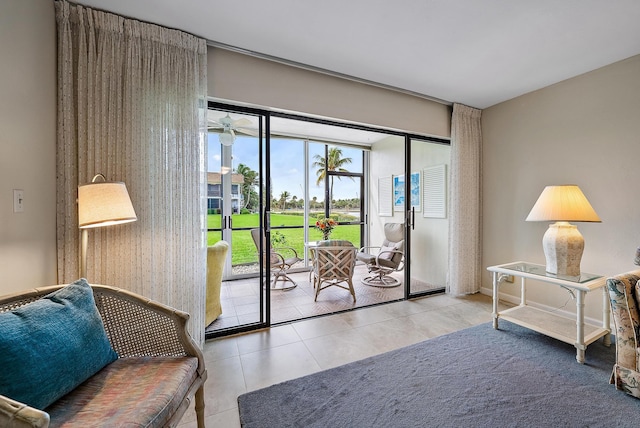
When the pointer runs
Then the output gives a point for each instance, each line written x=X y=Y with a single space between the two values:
x=100 y=204
x=562 y=242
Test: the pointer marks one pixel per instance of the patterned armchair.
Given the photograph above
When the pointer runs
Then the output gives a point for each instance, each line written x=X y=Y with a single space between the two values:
x=624 y=294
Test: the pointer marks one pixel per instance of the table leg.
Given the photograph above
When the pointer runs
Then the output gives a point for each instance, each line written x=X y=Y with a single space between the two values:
x=580 y=326
x=495 y=300
x=606 y=316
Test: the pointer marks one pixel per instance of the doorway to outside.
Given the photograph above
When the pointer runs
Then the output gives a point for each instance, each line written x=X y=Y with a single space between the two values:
x=280 y=174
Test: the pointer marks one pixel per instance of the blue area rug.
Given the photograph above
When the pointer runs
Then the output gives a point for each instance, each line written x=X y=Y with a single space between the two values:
x=478 y=377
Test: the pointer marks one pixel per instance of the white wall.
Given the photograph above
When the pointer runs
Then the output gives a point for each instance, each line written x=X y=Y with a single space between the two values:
x=386 y=159
x=583 y=131
x=27 y=144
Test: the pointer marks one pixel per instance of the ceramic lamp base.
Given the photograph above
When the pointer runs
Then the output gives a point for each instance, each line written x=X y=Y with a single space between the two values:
x=563 y=246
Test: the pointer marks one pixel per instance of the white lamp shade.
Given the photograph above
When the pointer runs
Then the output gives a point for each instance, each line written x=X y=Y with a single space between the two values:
x=104 y=204
x=562 y=203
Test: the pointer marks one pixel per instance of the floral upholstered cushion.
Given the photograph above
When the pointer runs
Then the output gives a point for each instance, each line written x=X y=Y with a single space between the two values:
x=624 y=308
x=627 y=380
x=130 y=392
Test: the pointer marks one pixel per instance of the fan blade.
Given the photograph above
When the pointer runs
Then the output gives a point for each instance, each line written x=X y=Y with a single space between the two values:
x=241 y=122
x=246 y=131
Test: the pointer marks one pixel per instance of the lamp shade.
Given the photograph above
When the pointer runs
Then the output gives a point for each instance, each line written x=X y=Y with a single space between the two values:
x=104 y=204
x=562 y=203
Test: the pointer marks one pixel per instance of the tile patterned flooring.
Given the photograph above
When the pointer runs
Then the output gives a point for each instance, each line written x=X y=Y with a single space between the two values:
x=246 y=362
x=240 y=299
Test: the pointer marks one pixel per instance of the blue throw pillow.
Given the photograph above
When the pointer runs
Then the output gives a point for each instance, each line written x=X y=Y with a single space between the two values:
x=50 y=346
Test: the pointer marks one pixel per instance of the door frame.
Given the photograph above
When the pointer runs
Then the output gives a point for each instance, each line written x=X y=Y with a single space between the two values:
x=264 y=272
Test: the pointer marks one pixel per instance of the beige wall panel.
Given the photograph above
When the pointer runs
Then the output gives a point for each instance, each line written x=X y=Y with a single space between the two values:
x=583 y=131
x=241 y=78
x=27 y=144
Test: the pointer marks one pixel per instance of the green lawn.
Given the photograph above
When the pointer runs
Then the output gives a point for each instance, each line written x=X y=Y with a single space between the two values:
x=244 y=250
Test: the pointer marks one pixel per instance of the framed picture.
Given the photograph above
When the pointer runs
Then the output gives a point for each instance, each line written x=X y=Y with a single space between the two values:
x=398 y=192
x=415 y=190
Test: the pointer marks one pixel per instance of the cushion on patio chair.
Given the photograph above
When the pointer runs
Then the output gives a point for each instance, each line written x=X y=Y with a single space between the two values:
x=216 y=255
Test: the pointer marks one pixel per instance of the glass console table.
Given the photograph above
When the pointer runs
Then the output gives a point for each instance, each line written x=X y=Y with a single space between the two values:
x=570 y=330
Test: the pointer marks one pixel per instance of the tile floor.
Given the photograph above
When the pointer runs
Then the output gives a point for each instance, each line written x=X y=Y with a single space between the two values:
x=242 y=363
x=240 y=299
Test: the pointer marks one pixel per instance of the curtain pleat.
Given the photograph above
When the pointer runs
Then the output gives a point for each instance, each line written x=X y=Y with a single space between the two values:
x=465 y=235
x=132 y=106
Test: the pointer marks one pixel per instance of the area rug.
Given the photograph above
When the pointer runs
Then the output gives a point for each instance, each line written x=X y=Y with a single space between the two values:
x=478 y=377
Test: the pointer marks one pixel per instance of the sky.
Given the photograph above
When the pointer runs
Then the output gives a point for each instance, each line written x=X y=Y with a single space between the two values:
x=287 y=165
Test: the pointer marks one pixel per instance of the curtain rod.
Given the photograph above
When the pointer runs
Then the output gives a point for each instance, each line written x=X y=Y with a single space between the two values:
x=324 y=71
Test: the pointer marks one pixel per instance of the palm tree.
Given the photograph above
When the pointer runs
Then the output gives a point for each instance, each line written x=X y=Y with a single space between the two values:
x=250 y=180
x=335 y=163
x=283 y=199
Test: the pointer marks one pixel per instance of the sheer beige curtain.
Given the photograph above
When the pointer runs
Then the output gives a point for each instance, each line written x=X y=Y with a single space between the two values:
x=132 y=105
x=465 y=233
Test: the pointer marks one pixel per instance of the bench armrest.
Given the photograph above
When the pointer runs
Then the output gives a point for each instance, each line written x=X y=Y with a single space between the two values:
x=14 y=414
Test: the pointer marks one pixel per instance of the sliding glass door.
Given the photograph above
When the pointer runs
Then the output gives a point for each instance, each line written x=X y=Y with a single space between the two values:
x=276 y=174
x=427 y=217
x=237 y=174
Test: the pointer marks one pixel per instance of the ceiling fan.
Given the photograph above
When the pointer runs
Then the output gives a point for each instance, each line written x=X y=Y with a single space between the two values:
x=228 y=128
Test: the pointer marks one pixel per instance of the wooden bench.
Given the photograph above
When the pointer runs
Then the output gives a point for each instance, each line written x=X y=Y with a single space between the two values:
x=158 y=372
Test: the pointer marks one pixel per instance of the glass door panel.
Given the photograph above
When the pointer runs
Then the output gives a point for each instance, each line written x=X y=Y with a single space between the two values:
x=287 y=195
x=428 y=220
x=244 y=182
x=235 y=178
x=346 y=209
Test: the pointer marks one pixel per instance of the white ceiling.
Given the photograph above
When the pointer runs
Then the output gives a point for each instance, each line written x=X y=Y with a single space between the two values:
x=475 y=52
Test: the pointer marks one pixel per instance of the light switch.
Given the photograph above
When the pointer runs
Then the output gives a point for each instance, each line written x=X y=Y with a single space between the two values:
x=18 y=200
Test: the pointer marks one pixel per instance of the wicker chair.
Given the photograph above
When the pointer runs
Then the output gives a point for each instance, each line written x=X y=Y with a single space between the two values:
x=138 y=328
x=281 y=259
x=624 y=294
x=333 y=263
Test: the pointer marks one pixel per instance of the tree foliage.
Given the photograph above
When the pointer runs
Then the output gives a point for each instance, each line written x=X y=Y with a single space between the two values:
x=249 y=193
x=333 y=162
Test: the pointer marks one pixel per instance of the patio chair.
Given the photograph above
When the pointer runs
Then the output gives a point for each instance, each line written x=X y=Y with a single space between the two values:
x=386 y=259
x=216 y=255
x=333 y=263
x=280 y=261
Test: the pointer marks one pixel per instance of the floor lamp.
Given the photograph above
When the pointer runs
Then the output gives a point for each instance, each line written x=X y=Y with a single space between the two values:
x=101 y=203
